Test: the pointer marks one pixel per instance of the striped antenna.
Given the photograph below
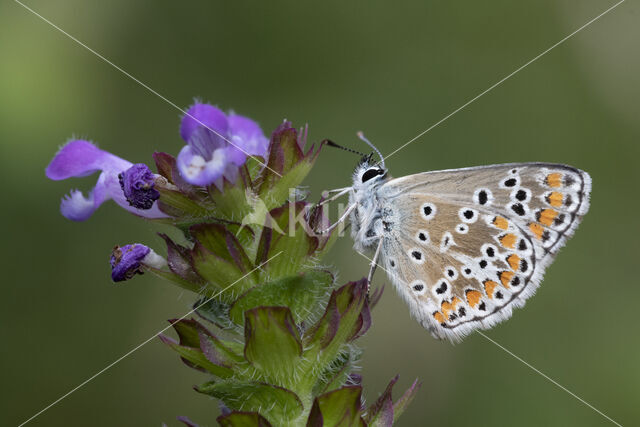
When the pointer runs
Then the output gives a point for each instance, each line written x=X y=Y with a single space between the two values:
x=333 y=144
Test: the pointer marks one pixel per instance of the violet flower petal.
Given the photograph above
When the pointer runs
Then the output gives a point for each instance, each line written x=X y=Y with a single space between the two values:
x=76 y=207
x=208 y=158
x=205 y=129
x=236 y=152
x=198 y=171
x=80 y=158
x=249 y=134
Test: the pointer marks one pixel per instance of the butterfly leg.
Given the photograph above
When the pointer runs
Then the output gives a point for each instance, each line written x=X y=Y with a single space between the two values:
x=340 y=193
x=339 y=221
x=374 y=264
x=338 y=190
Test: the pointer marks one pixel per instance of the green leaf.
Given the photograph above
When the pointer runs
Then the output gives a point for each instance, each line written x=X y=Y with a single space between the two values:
x=233 y=202
x=221 y=273
x=215 y=311
x=179 y=261
x=212 y=237
x=175 y=279
x=175 y=203
x=279 y=191
x=254 y=166
x=288 y=233
x=272 y=343
x=225 y=252
x=243 y=419
x=187 y=331
x=216 y=270
x=195 y=358
x=342 y=316
x=287 y=166
x=219 y=240
x=363 y=323
x=338 y=371
x=337 y=408
x=217 y=350
x=276 y=404
x=380 y=413
x=302 y=293
x=284 y=154
x=245 y=236
x=194 y=336
x=340 y=322
x=404 y=401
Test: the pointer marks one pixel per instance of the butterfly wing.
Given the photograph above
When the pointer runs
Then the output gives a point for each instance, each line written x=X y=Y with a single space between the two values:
x=466 y=246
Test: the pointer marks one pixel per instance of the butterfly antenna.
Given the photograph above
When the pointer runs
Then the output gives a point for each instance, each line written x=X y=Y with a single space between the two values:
x=333 y=144
x=362 y=137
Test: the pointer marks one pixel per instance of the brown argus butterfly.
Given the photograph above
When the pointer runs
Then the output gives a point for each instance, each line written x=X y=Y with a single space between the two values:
x=463 y=247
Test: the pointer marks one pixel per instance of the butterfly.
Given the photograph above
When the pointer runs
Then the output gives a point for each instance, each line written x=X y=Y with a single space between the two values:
x=464 y=247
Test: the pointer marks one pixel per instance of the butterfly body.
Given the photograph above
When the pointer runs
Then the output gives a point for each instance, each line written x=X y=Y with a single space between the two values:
x=464 y=247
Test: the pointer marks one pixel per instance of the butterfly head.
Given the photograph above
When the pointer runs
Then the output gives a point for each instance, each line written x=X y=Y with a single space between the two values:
x=368 y=174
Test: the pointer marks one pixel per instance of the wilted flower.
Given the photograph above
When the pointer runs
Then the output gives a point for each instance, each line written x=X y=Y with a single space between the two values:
x=137 y=184
x=80 y=158
x=126 y=261
x=217 y=144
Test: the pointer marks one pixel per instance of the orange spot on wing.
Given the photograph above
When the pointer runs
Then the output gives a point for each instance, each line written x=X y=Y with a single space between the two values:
x=536 y=229
x=508 y=240
x=473 y=298
x=439 y=317
x=555 y=199
x=505 y=277
x=446 y=307
x=455 y=301
x=500 y=222
x=514 y=261
x=547 y=216
x=489 y=287
x=554 y=179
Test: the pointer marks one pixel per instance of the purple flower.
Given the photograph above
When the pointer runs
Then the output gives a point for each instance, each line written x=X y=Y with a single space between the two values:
x=137 y=184
x=127 y=261
x=217 y=144
x=80 y=158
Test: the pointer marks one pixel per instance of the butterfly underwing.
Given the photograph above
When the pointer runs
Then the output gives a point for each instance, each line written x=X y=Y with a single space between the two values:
x=463 y=247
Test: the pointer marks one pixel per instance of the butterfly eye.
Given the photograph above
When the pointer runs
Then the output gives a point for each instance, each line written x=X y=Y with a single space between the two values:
x=371 y=173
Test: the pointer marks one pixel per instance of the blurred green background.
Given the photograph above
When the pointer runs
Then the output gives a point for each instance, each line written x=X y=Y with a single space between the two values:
x=390 y=69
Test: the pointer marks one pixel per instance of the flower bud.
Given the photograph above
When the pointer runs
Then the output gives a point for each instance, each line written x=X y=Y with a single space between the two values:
x=127 y=261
